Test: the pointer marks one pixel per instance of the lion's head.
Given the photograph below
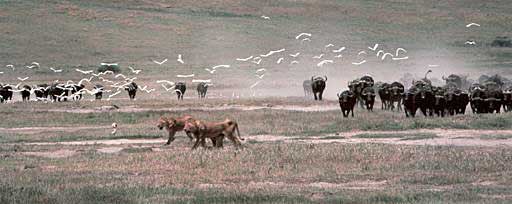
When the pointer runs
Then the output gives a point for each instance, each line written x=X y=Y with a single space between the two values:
x=166 y=122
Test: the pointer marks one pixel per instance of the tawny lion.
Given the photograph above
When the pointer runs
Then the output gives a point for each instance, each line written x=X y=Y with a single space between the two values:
x=218 y=130
x=173 y=125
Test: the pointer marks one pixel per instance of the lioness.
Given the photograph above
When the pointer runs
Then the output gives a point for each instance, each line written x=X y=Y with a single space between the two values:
x=218 y=130
x=173 y=125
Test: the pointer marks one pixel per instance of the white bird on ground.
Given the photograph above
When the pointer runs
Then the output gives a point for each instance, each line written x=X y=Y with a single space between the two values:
x=273 y=52
x=260 y=76
x=295 y=55
x=180 y=60
x=318 y=57
x=161 y=62
x=23 y=79
x=84 y=72
x=211 y=71
x=339 y=50
x=302 y=34
x=108 y=64
x=114 y=126
x=472 y=24
x=386 y=54
x=185 y=76
x=279 y=60
x=261 y=70
x=362 y=52
x=294 y=62
x=329 y=45
x=433 y=65
x=324 y=62
x=201 y=81
x=253 y=85
x=1 y=72
x=398 y=51
x=10 y=66
x=374 y=47
x=256 y=60
x=265 y=17
x=470 y=42
x=338 y=56
x=359 y=63
x=135 y=71
x=32 y=66
x=221 y=66
x=103 y=73
x=244 y=59
x=55 y=70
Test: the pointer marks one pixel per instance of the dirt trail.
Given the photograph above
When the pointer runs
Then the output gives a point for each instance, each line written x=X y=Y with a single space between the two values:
x=441 y=137
x=134 y=109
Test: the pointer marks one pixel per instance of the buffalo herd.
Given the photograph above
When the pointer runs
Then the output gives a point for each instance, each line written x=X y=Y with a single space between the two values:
x=57 y=92
x=488 y=95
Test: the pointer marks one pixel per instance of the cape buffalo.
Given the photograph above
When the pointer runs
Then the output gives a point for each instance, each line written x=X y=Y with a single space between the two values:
x=58 y=92
x=201 y=89
x=5 y=93
x=180 y=89
x=41 y=91
x=347 y=101
x=439 y=102
x=318 y=86
x=368 y=96
x=410 y=103
x=98 y=88
x=397 y=90
x=384 y=95
x=507 y=100
x=25 y=93
x=132 y=90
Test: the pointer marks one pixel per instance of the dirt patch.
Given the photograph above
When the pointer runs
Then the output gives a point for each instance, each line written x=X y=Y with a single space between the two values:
x=35 y=130
x=442 y=137
x=110 y=150
x=55 y=154
x=133 y=109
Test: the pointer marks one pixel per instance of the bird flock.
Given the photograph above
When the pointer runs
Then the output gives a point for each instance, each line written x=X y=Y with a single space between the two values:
x=331 y=54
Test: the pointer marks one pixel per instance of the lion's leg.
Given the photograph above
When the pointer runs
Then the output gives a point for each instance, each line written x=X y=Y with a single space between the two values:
x=189 y=135
x=171 y=137
x=196 y=144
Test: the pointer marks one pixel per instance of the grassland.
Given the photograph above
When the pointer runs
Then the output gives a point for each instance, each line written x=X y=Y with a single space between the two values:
x=80 y=34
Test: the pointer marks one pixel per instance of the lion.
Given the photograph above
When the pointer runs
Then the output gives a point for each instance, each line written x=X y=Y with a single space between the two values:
x=173 y=125
x=218 y=130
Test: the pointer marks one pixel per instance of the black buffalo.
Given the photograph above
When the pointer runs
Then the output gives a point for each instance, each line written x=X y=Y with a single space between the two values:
x=99 y=89
x=397 y=92
x=410 y=102
x=425 y=100
x=202 y=88
x=180 y=89
x=439 y=102
x=5 y=93
x=368 y=96
x=132 y=90
x=58 y=92
x=25 y=93
x=318 y=86
x=507 y=100
x=347 y=100
x=385 y=95
x=41 y=91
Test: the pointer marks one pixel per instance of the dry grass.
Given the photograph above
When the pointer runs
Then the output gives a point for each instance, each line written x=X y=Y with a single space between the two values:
x=263 y=173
